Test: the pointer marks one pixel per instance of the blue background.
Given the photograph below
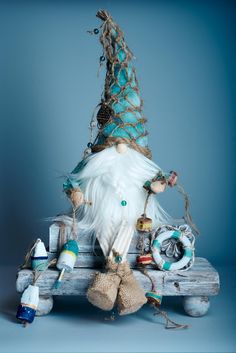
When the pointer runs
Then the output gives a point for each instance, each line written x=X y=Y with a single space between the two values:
x=185 y=63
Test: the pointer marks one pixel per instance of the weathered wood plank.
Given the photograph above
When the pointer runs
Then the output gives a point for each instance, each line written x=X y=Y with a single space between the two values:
x=86 y=243
x=89 y=260
x=194 y=282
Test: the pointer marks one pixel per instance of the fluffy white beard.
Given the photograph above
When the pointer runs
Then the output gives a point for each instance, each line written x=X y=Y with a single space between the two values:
x=108 y=178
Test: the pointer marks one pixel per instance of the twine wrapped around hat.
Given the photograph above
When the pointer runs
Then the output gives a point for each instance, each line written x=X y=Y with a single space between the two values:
x=120 y=117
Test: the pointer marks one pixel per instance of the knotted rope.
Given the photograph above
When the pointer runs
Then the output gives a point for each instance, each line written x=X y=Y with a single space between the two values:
x=169 y=324
x=28 y=254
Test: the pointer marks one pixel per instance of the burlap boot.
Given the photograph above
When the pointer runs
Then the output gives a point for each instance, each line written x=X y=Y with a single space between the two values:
x=103 y=290
x=131 y=296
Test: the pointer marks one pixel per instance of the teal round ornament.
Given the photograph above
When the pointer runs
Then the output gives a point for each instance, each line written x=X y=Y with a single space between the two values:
x=118 y=259
x=123 y=203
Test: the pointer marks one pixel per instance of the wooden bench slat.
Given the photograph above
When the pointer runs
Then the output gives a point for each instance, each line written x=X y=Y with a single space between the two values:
x=199 y=280
x=89 y=260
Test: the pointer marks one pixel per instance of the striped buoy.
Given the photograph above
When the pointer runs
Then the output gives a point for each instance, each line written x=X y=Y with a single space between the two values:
x=39 y=259
x=28 y=304
x=186 y=244
x=67 y=259
x=153 y=298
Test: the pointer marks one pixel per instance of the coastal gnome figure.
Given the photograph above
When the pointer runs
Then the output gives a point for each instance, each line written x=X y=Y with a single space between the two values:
x=115 y=167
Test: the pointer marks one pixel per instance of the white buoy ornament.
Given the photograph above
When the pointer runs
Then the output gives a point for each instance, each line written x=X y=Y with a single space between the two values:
x=39 y=259
x=28 y=304
x=66 y=260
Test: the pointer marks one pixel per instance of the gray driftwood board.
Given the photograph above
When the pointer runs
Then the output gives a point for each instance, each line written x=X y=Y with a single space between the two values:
x=201 y=279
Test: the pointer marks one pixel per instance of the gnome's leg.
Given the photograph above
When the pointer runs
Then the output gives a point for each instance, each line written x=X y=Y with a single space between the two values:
x=131 y=296
x=104 y=287
x=121 y=243
x=103 y=290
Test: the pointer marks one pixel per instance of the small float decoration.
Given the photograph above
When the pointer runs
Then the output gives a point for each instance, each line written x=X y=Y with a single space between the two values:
x=181 y=234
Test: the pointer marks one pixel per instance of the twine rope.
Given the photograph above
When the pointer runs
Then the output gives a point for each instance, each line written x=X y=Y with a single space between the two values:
x=37 y=274
x=28 y=254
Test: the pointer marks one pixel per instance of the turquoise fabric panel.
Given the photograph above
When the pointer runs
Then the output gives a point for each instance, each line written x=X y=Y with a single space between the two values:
x=131 y=117
x=115 y=89
x=134 y=133
x=108 y=129
x=142 y=141
x=118 y=107
x=121 y=55
x=71 y=183
x=119 y=132
x=141 y=128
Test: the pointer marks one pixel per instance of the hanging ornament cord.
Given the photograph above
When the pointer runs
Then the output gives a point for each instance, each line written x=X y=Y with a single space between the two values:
x=146 y=203
x=28 y=255
x=74 y=226
x=169 y=324
x=37 y=274
x=187 y=215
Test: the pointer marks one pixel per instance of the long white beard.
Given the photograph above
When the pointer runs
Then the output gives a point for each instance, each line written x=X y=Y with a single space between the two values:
x=107 y=179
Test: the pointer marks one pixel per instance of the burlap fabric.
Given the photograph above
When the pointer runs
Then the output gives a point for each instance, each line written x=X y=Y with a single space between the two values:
x=131 y=296
x=118 y=283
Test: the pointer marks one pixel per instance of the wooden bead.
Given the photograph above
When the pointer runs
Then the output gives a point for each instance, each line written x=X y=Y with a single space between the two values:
x=77 y=197
x=157 y=186
x=145 y=259
x=144 y=224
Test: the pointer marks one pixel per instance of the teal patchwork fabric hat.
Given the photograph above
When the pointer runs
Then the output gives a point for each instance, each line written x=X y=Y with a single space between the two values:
x=120 y=117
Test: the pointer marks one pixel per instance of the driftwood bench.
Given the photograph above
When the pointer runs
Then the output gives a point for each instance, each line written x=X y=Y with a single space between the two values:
x=194 y=285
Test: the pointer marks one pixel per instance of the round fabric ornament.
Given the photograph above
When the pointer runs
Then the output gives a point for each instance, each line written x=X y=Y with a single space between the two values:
x=187 y=244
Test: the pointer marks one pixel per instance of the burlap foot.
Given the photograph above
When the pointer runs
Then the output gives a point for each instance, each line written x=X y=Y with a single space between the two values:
x=131 y=296
x=103 y=290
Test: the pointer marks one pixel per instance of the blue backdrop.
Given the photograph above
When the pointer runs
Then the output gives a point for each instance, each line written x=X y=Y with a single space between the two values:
x=185 y=63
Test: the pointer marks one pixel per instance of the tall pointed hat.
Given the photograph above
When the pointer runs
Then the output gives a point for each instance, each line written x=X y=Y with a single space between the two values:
x=120 y=117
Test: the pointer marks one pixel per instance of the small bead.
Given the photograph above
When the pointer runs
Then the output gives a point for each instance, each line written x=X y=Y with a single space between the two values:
x=118 y=259
x=102 y=58
x=123 y=203
x=96 y=31
x=93 y=124
x=89 y=145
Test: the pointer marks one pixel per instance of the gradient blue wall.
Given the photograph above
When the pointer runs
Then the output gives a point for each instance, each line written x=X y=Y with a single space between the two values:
x=48 y=71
